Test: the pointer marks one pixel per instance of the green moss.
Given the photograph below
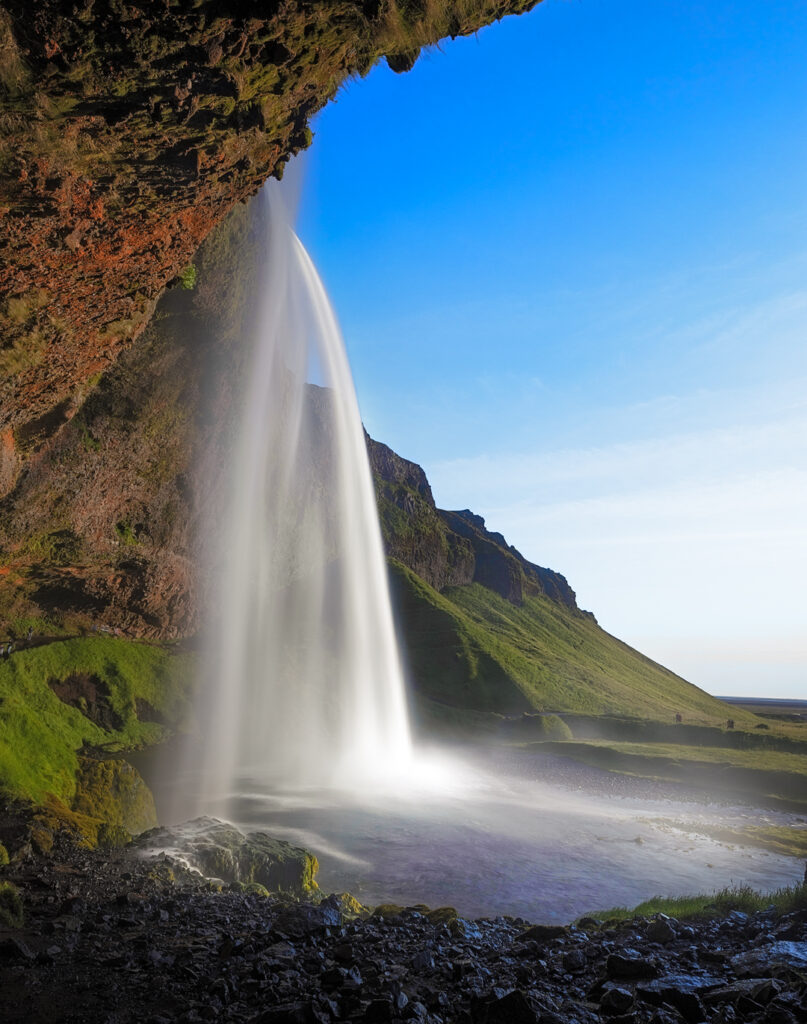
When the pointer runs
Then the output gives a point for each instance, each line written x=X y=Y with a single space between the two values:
x=11 y=912
x=125 y=533
x=252 y=888
x=386 y=910
x=442 y=915
x=59 y=547
x=40 y=735
x=113 y=837
x=114 y=792
x=53 y=817
x=4 y=858
x=187 y=278
x=88 y=442
x=350 y=906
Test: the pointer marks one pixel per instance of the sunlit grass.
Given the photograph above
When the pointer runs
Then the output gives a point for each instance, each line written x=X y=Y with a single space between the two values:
x=765 y=760
x=718 y=904
x=40 y=735
x=471 y=648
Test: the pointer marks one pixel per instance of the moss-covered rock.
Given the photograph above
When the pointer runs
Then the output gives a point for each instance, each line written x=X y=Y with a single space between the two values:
x=221 y=851
x=45 y=723
x=11 y=912
x=442 y=915
x=251 y=888
x=349 y=906
x=386 y=911
x=114 y=792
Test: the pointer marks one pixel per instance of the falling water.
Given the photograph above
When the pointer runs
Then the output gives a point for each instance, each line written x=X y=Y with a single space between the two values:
x=307 y=682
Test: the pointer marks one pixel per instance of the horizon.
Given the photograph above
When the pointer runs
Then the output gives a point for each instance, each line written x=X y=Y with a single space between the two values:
x=586 y=320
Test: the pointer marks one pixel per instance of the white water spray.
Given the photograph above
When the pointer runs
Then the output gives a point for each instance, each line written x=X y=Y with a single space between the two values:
x=307 y=682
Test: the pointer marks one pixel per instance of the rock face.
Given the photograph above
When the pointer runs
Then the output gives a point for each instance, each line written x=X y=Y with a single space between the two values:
x=451 y=548
x=103 y=522
x=129 y=130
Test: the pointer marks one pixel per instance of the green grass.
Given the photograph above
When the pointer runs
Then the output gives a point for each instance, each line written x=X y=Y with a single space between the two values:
x=470 y=648
x=40 y=734
x=767 y=760
x=790 y=737
x=718 y=904
x=770 y=776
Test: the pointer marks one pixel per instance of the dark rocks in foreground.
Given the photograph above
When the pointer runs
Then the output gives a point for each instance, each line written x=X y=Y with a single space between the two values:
x=112 y=938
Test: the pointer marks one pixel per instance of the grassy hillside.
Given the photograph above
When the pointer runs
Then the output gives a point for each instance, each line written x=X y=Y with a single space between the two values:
x=118 y=695
x=469 y=647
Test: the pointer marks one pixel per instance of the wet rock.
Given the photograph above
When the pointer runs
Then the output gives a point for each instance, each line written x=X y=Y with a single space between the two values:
x=666 y=1015
x=731 y=993
x=616 y=1001
x=661 y=930
x=762 y=960
x=344 y=953
x=302 y=919
x=630 y=967
x=378 y=1011
x=575 y=960
x=178 y=950
x=681 y=991
x=221 y=851
x=542 y=933
x=422 y=960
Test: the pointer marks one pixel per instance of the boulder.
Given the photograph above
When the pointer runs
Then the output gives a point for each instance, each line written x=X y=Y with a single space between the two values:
x=630 y=967
x=661 y=930
x=219 y=850
x=760 y=961
x=113 y=791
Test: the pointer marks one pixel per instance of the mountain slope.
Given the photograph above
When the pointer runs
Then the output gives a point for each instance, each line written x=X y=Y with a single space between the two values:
x=486 y=630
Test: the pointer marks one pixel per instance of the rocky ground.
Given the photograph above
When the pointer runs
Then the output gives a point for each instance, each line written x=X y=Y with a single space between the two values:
x=117 y=937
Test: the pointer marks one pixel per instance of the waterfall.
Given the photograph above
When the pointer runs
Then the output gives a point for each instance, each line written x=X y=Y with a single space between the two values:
x=307 y=688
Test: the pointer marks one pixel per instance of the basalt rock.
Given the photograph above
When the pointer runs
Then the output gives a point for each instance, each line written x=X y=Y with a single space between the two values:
x=131 y=938
x=219 y=850
x=451 y=548
x=129 y=130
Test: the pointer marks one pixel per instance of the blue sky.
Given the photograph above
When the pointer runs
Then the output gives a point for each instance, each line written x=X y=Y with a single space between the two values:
x=568 y=256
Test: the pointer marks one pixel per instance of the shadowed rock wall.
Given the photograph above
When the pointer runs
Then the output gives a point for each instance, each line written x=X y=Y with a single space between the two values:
x=128 y=130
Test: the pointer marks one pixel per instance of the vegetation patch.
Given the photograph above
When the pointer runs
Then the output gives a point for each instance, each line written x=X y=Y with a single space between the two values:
x=11 y=912
x=187 y=278
x=774 y=778
x=41 y=735
x=718 y=904
x=113 y=792
x=471 y=648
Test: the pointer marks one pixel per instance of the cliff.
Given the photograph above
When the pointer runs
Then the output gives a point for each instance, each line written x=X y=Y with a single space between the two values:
x=128 y=130
x=451 y=548
x=103 y=525
x=485 y=630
